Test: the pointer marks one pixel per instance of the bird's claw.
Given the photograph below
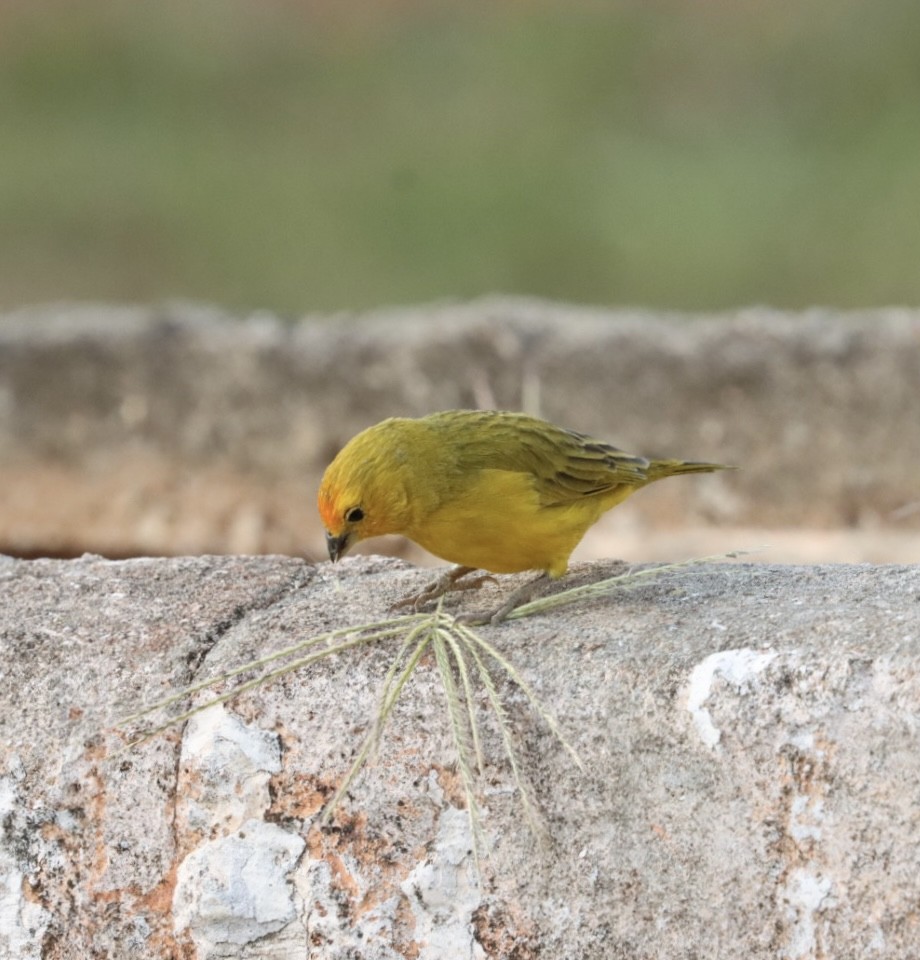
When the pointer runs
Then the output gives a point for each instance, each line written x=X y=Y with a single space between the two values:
x=450 y=582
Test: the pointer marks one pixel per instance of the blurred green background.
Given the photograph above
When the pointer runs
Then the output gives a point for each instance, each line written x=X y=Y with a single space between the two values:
x=318 y=156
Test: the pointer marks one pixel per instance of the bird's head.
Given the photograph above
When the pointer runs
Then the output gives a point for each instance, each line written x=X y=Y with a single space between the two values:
x=345 y=519
x=364 y=492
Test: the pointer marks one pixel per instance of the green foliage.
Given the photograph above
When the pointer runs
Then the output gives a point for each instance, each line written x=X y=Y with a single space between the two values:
x=286 y=156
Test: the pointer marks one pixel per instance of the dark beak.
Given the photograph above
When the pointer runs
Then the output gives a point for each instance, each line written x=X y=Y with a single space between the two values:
x=337 y=546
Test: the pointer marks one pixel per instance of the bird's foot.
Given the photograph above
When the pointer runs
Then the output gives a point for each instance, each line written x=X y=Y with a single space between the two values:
x=446 y=583
x=523 y=594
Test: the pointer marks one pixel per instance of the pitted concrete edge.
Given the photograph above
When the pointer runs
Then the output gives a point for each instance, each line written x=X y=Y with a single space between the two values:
x=749 y=734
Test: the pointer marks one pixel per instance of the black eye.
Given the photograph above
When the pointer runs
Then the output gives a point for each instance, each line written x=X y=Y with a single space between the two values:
x=354 y=515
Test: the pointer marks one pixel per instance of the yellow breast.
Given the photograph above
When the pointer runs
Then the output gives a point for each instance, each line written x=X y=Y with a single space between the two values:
x=497 y=523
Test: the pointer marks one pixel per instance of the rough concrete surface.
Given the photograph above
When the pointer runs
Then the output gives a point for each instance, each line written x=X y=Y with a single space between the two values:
x=750 y=734
x=181 y=430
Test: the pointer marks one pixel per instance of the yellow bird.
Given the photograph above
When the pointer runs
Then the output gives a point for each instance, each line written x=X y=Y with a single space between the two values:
x=487 y=490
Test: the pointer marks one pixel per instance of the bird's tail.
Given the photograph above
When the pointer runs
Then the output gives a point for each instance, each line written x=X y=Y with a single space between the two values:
x=658 y=469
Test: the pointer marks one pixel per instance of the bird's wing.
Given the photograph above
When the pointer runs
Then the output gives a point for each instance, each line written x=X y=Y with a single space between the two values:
x=565 y=466
x=578 y=467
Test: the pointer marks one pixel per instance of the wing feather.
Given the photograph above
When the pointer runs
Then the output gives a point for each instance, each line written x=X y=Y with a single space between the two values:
x=564 y=466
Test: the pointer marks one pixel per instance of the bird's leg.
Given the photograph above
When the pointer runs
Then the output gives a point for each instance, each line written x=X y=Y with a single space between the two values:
x=522 y=594
x=518 y=597
x=444 y=584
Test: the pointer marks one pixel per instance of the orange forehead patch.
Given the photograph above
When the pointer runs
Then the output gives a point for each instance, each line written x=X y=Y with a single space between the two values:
x=327 y=510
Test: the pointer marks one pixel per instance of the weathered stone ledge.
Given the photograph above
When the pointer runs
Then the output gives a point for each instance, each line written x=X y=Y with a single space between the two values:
x=750 y=734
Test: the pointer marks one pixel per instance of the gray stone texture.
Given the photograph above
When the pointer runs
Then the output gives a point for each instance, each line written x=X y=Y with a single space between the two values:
x=750 y=734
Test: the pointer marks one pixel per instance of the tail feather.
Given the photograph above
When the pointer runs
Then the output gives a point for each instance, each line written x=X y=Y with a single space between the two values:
x=658 y=469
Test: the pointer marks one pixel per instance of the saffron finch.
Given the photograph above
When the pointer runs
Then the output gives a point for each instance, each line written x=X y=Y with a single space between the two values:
x=487 y=490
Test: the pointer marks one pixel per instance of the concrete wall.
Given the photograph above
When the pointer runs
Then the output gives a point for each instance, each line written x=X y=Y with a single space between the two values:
x=749 y=735
x=175 y=430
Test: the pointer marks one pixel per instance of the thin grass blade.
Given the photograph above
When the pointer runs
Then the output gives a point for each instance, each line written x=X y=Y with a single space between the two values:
x=386 y=708
x=374 y=632
x=590 y=591
x=457 y=649
x=460 y=732
x=504 y=726
x=250 y=685
x=509 y=668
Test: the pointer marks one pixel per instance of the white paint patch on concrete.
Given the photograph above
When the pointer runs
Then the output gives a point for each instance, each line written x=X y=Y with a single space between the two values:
x=804 y=895
x=878 y=944
x=805 y=818
x=444 y=891
x=22 y=921
x=804 y=740
x=738 y=667
x=232 y=763
x=234 y=890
